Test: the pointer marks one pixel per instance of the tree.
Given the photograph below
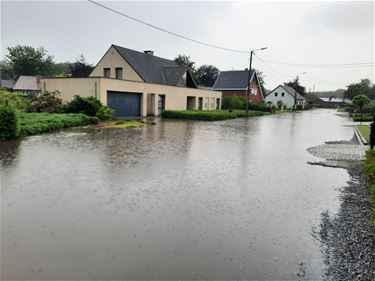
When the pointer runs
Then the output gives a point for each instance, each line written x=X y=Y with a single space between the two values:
x=206 y=75
x=261 y=76
x=184 y=60
x=6 y=71
x=295 y=84
x=26 y=60
x=361 y=101
x=62 y=69
x=81 y=68
x=364 y=87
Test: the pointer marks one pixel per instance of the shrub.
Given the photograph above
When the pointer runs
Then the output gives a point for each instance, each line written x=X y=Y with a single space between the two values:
x=45 y=102
x=8 y=122
x=233 y=102
x=105 y=113
x=87 y=105
x=36 y=123
x=213 y=115
x=259 y=106
x=13 y=99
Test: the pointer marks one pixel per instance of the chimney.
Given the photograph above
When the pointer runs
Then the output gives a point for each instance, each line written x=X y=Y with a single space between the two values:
x=149 y=52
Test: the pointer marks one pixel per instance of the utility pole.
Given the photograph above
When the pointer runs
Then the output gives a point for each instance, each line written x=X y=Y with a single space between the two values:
x=249 y=77
x=248 y=83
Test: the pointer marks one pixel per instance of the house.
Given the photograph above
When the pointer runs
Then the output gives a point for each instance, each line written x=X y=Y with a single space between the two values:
x=287 y=95
x=330 y=102
x=234 y=83
x=27 y=84
x=137 y=84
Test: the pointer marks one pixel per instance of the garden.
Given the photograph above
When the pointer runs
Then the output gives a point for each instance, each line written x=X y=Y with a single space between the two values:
x=35 y=113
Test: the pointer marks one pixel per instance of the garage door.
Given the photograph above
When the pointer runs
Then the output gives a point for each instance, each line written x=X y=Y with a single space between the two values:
x=124 y=104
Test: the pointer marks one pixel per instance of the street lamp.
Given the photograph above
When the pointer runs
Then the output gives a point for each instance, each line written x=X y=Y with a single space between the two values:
x=249 y=76
x=295 y=92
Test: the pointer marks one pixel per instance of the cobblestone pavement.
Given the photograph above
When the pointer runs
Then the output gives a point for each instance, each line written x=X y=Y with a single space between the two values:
x=340 y=150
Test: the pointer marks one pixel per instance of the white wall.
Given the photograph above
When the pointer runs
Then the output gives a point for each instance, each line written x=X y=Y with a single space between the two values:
x=287 y=99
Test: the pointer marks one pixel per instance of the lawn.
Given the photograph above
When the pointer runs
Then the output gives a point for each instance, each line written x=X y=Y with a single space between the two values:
x=211 y=115
x=36 y=123
x=365 y=131
x=122 y=124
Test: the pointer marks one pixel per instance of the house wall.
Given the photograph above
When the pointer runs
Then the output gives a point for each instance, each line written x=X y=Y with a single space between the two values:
x=113 y=59
x=175 y=97
x=242 y=93
x=287 y=100
x=68 y=87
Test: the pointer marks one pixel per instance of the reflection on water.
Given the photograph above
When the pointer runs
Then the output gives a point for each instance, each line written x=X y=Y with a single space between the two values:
x=232 y=199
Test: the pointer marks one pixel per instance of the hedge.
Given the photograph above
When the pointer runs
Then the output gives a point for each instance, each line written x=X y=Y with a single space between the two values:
x=212 y=115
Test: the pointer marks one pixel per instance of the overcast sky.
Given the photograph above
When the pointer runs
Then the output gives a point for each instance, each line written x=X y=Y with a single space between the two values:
x=294 y=32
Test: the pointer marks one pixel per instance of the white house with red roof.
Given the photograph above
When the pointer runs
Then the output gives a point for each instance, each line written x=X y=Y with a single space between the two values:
x=287 y=95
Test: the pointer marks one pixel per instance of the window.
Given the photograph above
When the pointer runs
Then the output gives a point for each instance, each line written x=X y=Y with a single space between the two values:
x=253 y=91
x=107 y=72
x=275 y=94
x=119 y=73
x=282 y=94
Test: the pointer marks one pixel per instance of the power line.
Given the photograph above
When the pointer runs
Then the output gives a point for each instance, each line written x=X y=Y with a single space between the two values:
x=167 y=31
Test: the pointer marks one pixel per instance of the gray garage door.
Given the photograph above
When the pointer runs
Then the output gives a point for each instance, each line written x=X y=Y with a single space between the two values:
x=124 y=104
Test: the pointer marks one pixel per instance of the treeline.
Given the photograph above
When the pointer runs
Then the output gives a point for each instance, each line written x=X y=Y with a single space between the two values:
x=27 y=60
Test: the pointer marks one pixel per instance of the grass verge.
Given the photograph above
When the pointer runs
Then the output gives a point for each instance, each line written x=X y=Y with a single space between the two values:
x=365 y=131
x=210 y=115
x=369 y=169
x=37 y=123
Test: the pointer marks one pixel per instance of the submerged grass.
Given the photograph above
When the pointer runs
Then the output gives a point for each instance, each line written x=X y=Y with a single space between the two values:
x=37 y=123
x=210 y=115
x=369 y=169
x=122 y=124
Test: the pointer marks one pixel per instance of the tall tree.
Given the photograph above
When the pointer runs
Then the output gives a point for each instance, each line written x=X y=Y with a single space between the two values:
x=184 y=60
x=26 y=60
x=206 y=75
x=361 y=101
x=295 y=84
x=6 y=71
x=261 y=77
x=81 y=68
x=364 y=87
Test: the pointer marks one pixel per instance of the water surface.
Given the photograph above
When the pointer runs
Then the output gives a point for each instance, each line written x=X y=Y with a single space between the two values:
x=232 y=199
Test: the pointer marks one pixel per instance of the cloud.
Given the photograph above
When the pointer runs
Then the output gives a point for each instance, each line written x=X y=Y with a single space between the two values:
x=344 y=15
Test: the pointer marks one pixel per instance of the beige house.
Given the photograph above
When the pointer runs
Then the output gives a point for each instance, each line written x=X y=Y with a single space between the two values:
x=137 y=84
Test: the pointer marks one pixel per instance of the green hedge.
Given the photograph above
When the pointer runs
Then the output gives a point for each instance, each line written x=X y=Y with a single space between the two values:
x=213 y=115
x=36 y=123
x=365 y=117
x=236 y=102
x=8 y=122
x=369 y=168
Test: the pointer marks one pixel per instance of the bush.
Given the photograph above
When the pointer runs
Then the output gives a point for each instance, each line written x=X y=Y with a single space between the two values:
x=233 y=102
x=213 y=115
x=105 y=113
x=369 y=169
x=365 y=117
x=13 y=99
x=8 y=122
x=45 y=102
x=87 y=105
x=36 y=123
x=259 y=106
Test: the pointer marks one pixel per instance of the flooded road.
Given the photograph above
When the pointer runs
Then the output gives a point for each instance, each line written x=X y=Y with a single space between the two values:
x=232 y=199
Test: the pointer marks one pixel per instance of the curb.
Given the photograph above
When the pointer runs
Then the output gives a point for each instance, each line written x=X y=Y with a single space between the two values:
x=359 y=136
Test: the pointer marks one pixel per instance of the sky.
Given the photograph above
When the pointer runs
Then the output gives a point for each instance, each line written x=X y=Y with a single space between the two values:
x=301 y=35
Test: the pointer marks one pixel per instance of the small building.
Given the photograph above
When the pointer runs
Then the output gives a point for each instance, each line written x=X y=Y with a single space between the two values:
x=27 y=84
x=137 y=84
x=330 y=102
x=7 y=84
x=287 y=95
x=234 y=83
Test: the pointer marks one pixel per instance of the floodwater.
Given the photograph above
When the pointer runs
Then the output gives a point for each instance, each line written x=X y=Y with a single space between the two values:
x=231 y=199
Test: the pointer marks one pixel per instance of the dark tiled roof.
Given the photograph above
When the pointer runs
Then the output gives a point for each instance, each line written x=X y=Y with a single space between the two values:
x=152 y=69
x=291 y=91
x=234 y=79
